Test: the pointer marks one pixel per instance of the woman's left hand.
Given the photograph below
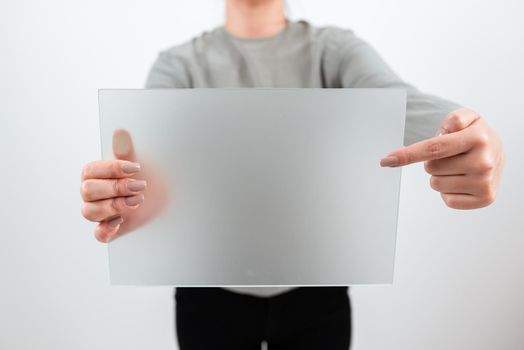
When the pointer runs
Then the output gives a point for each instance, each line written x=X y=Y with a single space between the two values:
x=465 y=160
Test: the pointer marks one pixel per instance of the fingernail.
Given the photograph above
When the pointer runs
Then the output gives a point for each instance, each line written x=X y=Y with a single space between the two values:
x=134 y=200
x=130 y=168
x=441 y=131
x=115 y=222
x=389 y=161
x=136 y=185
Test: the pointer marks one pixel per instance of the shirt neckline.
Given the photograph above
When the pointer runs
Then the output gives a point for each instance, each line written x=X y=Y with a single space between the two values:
x=260 y=40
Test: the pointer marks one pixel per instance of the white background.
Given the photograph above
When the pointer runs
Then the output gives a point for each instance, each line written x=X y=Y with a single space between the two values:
x=459 y=275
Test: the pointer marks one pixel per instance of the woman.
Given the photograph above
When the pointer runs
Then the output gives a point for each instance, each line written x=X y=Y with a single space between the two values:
x=259 y=47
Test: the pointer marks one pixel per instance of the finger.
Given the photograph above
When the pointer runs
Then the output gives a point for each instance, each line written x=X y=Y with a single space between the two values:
x=108 y=229
x=465 y=201
x=109 y=169
x=457 y=120
x=103 y=209
x=457 y=184
x=435 y=148
x=466 y=163
x=96 y=189
x=123 y=145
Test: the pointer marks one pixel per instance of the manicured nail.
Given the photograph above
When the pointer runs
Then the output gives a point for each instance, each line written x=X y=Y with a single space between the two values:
x=134 y=200
x=441 y=131
x=389 y=161
x=115 y=222
x=130 y=168
x=136 y=185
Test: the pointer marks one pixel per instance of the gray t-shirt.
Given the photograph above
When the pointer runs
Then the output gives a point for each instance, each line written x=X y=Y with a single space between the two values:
x=299 y=56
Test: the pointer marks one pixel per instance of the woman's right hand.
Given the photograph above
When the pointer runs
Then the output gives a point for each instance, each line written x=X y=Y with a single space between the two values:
x=113 y=191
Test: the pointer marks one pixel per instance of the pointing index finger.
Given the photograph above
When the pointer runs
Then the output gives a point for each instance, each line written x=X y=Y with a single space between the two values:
x=434 y=148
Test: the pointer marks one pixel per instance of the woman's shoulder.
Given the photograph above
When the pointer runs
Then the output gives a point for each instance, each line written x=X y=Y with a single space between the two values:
x=198 y=43
x=173 y=64
x=326 y=33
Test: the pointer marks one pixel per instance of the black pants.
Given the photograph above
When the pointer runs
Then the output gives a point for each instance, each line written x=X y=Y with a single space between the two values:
x=303 y=318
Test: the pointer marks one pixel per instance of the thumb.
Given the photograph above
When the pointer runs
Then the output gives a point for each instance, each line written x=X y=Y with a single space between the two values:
x=123 y=145
x=457 y=120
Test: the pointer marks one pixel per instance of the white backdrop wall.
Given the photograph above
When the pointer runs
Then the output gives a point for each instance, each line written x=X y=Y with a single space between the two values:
x=459 y=280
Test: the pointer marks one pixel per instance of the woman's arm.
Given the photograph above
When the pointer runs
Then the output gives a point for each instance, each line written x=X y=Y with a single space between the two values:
x=465 y=159
x=360 y=66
